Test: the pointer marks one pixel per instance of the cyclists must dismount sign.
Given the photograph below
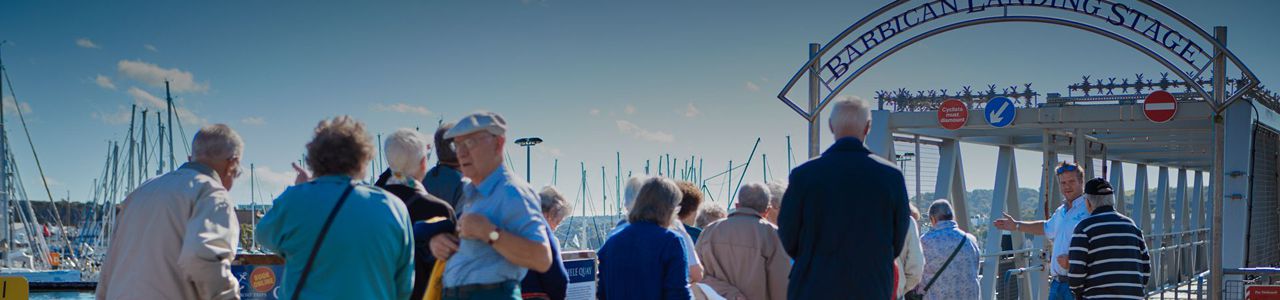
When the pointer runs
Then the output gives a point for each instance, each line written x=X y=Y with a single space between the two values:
x=953 y=114
x=1000 y=112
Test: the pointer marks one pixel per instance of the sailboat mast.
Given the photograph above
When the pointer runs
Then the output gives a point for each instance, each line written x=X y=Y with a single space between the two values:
x=160 y=135
x=169 y=103
x=132 y=146
x=142 y=148
x=253 y=206
x=617 y=183
x=4 y=168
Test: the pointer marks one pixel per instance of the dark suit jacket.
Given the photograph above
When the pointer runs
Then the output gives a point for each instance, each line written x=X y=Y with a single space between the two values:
x=844 y=218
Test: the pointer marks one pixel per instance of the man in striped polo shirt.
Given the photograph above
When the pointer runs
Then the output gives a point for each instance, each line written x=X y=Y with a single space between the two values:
x=1108 y=256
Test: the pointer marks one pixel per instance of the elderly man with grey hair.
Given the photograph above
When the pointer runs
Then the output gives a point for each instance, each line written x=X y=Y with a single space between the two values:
x=742 y=255
x=776 y=188
x=176 y=235
x=1108 y=257
x=844 y=216
x=501 y=233
x=957 y=278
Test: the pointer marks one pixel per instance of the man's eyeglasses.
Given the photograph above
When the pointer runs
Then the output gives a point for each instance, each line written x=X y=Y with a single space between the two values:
x=1067 y=168
x=458 y=145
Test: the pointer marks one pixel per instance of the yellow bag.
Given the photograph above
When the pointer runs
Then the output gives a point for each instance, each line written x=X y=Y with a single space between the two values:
x=435 y=284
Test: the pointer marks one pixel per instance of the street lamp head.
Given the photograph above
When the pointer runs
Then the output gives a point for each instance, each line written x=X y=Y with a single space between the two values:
x=529 y=141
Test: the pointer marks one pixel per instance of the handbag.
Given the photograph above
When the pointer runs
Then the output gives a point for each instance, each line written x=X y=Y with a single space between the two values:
x=306 y=269
x=435 y=285
x=914 y=295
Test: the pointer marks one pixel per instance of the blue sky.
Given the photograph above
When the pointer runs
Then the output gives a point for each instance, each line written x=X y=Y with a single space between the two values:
x=644 y=78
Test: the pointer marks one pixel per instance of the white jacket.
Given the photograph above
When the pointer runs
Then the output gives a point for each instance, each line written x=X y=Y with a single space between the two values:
x=910 y=261
x=174 y=238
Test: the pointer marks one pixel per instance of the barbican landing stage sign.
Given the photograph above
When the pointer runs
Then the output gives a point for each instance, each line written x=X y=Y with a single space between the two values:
x=1146 y=26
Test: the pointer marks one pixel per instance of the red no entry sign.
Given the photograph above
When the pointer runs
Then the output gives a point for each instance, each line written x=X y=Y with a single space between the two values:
x=1160 y=106
x=953 y=114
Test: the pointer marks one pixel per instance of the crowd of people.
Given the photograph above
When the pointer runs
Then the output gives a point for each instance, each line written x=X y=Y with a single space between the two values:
x=841 y=227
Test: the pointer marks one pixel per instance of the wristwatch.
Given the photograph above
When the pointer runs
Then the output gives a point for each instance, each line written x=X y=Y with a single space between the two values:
x=493 y=236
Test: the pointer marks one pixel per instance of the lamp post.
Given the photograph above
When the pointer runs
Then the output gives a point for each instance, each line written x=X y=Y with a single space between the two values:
x=528 y=144
x=902 y=159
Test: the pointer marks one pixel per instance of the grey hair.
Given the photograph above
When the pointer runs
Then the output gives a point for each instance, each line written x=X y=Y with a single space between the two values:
x=632 y=190
x=776 y=189
x=216 y=142
x=941 y=209
x=554 y=205
x=405 y=150
x=1100 y=200
x=656 y=202
x=849 y=116
x=710 y=214
x=754 y=196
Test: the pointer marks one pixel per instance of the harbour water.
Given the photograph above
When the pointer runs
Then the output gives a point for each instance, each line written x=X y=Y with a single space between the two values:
x=61 y=295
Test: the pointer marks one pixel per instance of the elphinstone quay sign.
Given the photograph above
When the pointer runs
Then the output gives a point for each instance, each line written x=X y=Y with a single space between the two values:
x=1146 y=26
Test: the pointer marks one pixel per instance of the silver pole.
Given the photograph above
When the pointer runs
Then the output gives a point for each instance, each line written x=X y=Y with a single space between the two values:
x=815 y=138
x=1219 y=131
x=253 y=206
x=917 y=138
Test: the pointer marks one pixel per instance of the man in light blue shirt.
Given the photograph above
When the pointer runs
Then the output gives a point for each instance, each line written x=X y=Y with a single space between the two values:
x=501 y=234
x=1058 y=228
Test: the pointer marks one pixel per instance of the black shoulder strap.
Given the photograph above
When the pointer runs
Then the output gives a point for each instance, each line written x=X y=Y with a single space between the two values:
x=306 y=269
x=963 y=240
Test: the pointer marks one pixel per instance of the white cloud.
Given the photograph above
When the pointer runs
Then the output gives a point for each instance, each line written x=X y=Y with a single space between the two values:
x=403 y=108
x=53 y=181
x=630 y=109
x=752 y=87
x=691 y=111
x=255 y=121
x=86 y=43
x=179 y=81
x=10 y=106
x=104 y=82
x=120 y=117
x=594 y=111
x=149 y=47
x=143 y=98
x=626 y=127
x=269 y=182
x=549 y=151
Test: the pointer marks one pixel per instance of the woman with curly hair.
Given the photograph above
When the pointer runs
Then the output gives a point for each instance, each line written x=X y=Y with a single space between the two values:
x=341 y=239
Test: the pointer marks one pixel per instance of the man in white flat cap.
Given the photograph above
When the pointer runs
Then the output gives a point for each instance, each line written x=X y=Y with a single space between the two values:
x=502 y=231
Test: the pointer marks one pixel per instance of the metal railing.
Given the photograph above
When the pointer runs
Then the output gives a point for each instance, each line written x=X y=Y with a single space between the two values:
x=1179 y=265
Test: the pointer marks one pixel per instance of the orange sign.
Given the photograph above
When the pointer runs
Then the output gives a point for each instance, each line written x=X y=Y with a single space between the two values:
x=262 y=279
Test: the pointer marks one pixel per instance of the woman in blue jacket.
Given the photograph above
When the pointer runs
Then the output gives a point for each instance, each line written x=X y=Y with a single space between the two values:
x=646 y=260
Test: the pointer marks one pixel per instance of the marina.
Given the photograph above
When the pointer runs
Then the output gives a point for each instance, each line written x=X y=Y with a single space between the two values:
x=1189 y=136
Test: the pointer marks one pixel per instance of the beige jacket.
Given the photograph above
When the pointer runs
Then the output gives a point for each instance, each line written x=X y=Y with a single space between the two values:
x=743 y=257
x=174 y=238
x=910 y=261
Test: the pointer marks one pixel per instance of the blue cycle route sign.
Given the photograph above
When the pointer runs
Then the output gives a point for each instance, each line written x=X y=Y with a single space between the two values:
x=1000 y=112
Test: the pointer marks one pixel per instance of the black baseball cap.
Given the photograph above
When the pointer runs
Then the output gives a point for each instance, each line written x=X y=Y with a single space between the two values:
x=1097 y=186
